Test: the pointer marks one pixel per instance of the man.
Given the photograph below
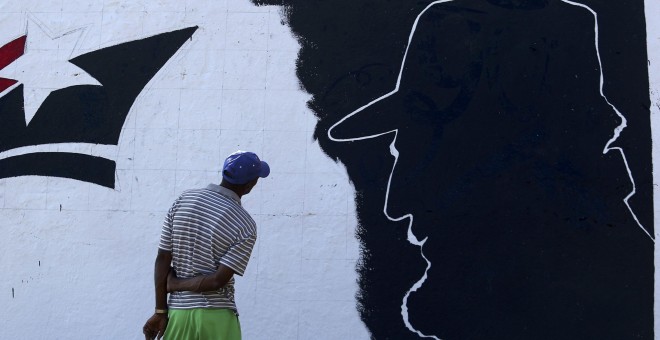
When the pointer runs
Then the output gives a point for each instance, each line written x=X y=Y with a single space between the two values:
x=207 y=237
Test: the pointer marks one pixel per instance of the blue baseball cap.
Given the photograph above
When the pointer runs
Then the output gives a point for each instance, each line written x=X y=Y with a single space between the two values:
x=242 y=166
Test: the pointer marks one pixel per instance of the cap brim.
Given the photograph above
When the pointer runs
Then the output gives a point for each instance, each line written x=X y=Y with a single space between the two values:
x=265 y=170
x=369 y=121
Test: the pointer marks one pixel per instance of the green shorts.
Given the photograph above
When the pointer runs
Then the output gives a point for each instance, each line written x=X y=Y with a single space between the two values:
x=202 y=324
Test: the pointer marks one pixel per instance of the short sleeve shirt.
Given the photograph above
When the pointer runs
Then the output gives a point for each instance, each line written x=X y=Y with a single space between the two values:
x=203 y=229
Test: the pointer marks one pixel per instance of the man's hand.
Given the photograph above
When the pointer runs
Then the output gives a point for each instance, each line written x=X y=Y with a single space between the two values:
x=202 y=283
x=155 y=327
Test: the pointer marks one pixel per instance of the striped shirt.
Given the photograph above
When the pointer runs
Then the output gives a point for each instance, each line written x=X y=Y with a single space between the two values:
x=203 y=229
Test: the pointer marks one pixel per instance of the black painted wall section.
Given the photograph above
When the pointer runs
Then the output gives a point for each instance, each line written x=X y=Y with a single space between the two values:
x=501 y=132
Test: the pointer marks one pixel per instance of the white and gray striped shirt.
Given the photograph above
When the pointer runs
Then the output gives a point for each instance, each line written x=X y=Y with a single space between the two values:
x=203 y=229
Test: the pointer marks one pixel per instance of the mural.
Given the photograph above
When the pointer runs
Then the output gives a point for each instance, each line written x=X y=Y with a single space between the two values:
x=86 y=99
x=518 y=201
x=181 y=84
x=494 y=156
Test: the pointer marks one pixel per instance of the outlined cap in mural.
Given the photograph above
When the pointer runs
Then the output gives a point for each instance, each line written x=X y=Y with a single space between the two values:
x=369 y=121
x=426 y=70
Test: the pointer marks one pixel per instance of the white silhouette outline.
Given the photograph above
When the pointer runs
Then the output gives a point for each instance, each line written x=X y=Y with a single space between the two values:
x=394 y=152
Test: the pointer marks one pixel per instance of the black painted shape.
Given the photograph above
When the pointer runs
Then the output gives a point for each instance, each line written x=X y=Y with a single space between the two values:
x=12 y=116
x=501 y=132
x=91 y=113
x=67 y=165
x=87 y=113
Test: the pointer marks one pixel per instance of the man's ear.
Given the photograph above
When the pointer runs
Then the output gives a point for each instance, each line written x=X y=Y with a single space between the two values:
x=247 y=187
x=254 y=182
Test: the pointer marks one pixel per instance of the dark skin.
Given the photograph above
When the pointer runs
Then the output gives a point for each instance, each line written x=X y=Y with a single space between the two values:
x=165 y=279
x=198 y=284
x=155 y=326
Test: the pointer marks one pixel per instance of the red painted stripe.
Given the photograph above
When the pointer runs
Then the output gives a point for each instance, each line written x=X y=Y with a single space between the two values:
x=6 y=83
x=8 y=53
x=11 y=51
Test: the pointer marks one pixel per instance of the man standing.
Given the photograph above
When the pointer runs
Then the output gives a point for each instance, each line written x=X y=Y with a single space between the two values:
x=207 y=237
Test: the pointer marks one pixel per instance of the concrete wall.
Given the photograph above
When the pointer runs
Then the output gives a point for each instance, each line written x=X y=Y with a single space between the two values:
x=653 y=37
x=78 y=257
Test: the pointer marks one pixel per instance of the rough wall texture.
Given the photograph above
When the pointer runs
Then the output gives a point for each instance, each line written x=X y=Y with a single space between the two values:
x=652 y=8
x=82 y=200
x=511 y=143
x=78 y=254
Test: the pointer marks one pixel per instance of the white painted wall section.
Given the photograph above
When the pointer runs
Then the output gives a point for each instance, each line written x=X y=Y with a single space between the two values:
x=78 y=258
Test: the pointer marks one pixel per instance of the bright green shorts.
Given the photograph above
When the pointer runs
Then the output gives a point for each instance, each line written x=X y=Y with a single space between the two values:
x=202 y=324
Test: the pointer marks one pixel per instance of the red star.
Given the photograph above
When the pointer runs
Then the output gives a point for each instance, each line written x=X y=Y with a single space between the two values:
x=8 y=53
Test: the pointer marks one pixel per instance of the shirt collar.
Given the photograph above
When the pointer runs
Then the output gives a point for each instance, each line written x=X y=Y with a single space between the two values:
x=224 y=191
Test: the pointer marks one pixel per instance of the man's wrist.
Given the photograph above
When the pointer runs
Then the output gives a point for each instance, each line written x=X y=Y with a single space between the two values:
x=161 y=311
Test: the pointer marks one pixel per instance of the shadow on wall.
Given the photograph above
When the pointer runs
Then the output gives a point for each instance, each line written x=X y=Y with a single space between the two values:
x=500 y=136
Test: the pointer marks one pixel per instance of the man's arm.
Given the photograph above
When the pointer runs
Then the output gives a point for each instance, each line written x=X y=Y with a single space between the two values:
x=156 y=325
x=161 y=269
x=204 y=283
x=234 y=261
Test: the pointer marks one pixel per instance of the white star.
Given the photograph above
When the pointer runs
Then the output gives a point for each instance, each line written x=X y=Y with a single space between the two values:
x=45 y=66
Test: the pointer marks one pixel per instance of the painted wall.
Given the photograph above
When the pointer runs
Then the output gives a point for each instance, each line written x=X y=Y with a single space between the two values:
x=507 y=179
x=653 y=38
x=78 y=254
x=355 y=108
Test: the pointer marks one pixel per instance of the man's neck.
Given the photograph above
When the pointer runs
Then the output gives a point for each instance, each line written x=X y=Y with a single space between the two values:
x=238 y=190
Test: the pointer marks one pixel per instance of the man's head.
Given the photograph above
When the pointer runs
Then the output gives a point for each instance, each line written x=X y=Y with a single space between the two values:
x=242 y=170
